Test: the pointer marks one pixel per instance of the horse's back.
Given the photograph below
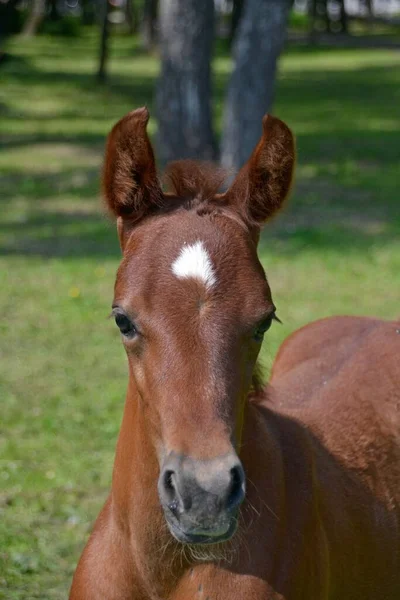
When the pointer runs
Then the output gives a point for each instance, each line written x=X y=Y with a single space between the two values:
x=340 y=356
x=340 y=377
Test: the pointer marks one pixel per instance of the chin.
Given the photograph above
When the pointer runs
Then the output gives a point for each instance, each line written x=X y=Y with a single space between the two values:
x=202 y=538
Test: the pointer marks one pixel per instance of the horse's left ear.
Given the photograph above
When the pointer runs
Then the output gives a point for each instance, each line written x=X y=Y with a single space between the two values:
x=130 y=183
x=263 y=183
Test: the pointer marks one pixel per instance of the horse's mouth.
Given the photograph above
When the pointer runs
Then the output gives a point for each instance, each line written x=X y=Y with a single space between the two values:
x=203 y=536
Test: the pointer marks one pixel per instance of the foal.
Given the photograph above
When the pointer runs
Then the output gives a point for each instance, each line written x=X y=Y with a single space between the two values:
x=316 y=517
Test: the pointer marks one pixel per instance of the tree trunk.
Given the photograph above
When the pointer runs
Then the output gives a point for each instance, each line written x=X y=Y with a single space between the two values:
x=258 y=43
x=149 y=24
x=54 y=14
x=343 y=16
x=237 y=11
x=105 y=30
x=89 y=12
x=8 y=22
x=131 y=16
x=36 y=16
x=184 y=88
x=312 y=15
x=318 y=13
x=327 y=17
x=369 y=8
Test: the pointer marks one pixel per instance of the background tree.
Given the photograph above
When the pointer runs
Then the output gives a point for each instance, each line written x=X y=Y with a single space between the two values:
x=131 y=16
x=184 y=88
x=89 y=11
x=36 y=16
x=258 y=42
x=9 y=21
x=369 y=8
x=331 y=21
x=148 y=26
x=237 y=10
x=54 y=15
x=105 y=32
x=343 y=16
x=317 y=10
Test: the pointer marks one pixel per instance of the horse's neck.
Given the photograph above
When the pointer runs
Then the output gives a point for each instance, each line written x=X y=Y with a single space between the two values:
x=136 y=467
x=135 y=503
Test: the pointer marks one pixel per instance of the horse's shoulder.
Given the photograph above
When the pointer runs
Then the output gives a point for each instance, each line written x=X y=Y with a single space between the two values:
x=339 y=379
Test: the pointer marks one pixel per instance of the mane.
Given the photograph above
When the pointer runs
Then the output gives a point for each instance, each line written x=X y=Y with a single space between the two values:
x=194 y=179
x=257 y=391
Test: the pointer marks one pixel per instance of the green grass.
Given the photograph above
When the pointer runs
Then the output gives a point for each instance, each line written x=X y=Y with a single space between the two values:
x=336 y=249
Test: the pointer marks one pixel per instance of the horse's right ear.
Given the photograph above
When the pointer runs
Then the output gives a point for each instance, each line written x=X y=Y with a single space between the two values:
x=130 y=184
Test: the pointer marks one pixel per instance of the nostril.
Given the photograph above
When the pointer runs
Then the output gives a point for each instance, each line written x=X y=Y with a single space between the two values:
x=236 y=489
x=168 y=482
x=169 y=491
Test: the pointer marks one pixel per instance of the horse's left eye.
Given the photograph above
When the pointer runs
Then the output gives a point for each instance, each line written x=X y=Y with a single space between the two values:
x=125 y=326
x=263 y=328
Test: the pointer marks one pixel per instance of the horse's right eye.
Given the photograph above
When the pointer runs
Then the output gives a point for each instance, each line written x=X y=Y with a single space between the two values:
x=126 y=327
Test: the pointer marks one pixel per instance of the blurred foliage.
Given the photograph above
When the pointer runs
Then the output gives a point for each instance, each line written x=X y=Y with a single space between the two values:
x=68 y=26
x=336 y=249
x=61 y=17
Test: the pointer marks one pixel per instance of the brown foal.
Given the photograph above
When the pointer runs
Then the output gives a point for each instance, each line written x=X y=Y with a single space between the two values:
x=222 y=489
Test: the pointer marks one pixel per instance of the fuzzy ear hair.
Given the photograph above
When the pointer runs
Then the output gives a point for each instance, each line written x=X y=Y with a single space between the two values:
x=263 y=183
x=130 y=184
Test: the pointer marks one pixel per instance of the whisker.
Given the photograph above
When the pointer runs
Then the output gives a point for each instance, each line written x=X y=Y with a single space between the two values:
x=262 y=501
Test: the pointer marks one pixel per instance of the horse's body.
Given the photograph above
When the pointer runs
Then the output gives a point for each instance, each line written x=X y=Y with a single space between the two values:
x=320 y=446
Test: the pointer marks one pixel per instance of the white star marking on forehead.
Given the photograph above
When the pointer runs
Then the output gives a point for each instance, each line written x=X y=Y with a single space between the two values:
x=194 y=261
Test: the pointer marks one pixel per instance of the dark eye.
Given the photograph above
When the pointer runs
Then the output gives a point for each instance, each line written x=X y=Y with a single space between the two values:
x=263 y=327
x=126 y=326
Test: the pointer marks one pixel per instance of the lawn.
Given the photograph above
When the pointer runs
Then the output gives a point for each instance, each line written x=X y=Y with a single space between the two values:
x=336 y=249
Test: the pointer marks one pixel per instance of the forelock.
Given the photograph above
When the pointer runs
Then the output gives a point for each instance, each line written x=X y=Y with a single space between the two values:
x=194 y=179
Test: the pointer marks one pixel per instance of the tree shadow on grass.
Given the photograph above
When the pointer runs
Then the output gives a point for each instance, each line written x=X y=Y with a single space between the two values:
x=342 y=117
x=62 y=217
x=54 y=235
x=88 y=234
x=80 y=183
